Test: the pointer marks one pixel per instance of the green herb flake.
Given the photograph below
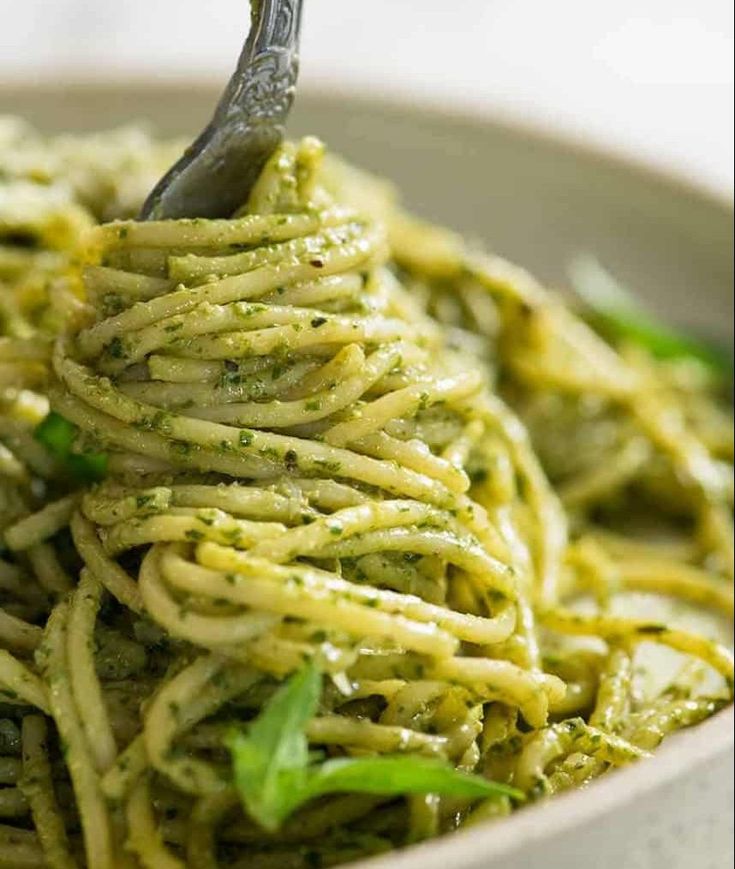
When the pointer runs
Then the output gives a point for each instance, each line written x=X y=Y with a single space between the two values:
x=246 y=437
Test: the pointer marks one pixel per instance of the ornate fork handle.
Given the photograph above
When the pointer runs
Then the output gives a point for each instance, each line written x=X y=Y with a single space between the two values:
x=264 y=82
x=216 y=173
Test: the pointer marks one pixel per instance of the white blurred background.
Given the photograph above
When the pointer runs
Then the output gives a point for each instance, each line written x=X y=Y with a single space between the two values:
x=650 y=78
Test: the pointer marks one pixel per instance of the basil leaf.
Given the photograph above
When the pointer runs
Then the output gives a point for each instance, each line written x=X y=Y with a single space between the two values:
x=618 y=314
x=270 y=760
x=402 y=774
x=275 y=773
x=57 y=434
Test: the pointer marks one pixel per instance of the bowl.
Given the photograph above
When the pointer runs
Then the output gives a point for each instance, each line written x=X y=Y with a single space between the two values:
x=539 y=200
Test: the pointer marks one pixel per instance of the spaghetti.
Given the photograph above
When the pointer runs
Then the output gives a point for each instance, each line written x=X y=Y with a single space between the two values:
x=333 y=433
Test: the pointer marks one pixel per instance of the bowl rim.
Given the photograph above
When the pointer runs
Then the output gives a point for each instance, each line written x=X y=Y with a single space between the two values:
x=677 y=757
x=686 y=749
x=432 y=106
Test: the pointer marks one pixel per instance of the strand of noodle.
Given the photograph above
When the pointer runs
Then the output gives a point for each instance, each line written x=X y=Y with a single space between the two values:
x=280 y=657
x=612 y=629
x=201 y=843
x=41 y=525
x=301 y=592
x=614 y=691
x=403 y=402
x=211 y=632
x=18 y=634
x=144 y=837
x=463 y=553
x=618 y=546
x=339 y=730
x=290 y=580
x=716 y=531
x=16 y=677
x=415 y=456
x=37 y=785
x=336 y=288
x=549 y=516
x=110 y=504
x=152 y=445
x=648 y=728
x=220 y=526
x=346 y=364
x=327 y=494
x=92 y=809
x=220 y=234
x=101 y=281
x=111 y=575
x=47 y=568
x=128 y=767
x=85 y=686
x=679 y=580
x=241 y=316
x=177 y=369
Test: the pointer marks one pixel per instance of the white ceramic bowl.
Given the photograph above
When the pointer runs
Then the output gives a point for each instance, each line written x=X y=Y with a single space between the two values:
x=537 y=200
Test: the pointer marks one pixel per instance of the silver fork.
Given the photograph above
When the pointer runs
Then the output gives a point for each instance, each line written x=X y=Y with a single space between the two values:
x=217 y=171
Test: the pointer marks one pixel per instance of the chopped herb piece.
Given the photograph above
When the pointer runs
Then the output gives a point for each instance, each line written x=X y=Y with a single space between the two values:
x=57 y=434
x=116 y=348
x=618 y=315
